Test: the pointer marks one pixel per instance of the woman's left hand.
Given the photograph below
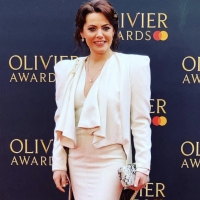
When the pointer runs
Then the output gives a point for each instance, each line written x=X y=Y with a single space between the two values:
x=140 y=181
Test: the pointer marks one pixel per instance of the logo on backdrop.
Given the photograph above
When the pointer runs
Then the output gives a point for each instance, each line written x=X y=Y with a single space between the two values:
x=154 y=191
x=190 y=150
x=158 y=111
x=31 y=152
x=33 y=69
x=144 y=26
x=191 y=65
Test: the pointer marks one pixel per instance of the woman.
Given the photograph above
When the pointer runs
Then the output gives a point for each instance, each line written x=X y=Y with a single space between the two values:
x=99 y=99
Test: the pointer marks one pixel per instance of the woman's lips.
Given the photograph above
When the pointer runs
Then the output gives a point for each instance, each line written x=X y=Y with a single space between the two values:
x=100 y=43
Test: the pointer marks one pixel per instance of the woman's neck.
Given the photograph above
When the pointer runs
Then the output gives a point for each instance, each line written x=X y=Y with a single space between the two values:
x=95 y=58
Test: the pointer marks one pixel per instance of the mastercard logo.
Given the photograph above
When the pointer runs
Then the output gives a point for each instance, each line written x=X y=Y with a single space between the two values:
x=159 y=121
x=160 y=35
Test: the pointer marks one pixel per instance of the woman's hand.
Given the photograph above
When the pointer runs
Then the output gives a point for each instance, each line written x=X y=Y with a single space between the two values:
x=60 y=179
x=140 y=181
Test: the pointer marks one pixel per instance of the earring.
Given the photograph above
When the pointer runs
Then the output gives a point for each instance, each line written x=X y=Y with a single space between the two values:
x=83 y=39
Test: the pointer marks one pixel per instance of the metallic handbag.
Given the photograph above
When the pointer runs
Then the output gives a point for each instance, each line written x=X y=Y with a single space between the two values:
x=127 y=177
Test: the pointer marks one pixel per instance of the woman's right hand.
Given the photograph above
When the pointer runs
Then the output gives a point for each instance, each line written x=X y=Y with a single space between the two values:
x=60 y=179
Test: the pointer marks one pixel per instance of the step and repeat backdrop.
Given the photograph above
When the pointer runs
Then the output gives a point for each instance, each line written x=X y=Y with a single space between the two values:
x=34 y=35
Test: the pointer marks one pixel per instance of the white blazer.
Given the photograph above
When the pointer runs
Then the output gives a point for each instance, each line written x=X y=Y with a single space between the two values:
x=134 y=109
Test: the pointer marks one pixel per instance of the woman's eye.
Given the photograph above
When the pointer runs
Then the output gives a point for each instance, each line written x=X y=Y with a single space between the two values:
x=92 y=29
x=106 y=28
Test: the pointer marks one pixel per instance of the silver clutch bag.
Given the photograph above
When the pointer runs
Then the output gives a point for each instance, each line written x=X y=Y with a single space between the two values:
x=127 y=175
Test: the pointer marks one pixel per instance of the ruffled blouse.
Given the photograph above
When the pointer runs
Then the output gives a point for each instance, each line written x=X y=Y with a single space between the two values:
x=87 y=109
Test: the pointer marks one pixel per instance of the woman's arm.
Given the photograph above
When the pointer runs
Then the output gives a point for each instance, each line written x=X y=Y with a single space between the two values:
x=59 y=158
x=140 y=117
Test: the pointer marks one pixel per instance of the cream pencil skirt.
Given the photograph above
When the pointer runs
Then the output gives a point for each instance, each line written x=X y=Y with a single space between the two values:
x=93 y=171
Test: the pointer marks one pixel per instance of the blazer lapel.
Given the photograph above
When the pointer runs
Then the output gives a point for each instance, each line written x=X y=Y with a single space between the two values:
x=66 y=122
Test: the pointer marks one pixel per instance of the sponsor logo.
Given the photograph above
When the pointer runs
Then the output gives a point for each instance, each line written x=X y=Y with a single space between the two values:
x=158 y=110
x=190 y=150
x=153 y=191
x=160 y=35
x=191 y=66
x=143 y=26
x=159 y=121
x=34 y=69
x=31 y=152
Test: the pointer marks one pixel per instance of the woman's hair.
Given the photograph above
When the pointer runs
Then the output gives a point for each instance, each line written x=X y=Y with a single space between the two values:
x=97 y=6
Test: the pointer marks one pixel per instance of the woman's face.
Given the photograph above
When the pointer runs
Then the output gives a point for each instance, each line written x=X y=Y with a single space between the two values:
x=98 y=33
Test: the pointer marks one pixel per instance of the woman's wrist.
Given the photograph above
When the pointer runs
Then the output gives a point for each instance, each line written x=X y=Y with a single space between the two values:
x=143 y=170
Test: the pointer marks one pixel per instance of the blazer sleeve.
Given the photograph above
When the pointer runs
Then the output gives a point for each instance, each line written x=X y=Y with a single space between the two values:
x=59 y=158
x=140 y=110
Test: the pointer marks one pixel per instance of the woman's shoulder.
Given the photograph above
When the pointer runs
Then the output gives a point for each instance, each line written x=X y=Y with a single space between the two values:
x=65 y=66
x=134 y=59
x=137 y=65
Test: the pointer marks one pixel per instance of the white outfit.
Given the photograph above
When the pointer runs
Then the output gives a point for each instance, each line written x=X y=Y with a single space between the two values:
x=119 y=102
x=93 y=171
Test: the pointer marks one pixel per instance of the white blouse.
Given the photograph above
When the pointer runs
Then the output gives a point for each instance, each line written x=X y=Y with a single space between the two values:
x=90 y=113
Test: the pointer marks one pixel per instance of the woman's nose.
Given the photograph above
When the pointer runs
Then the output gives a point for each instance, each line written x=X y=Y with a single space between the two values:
x=99 y=33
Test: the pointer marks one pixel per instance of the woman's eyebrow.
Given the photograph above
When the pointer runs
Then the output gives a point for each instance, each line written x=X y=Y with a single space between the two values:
x=96 y=26
x=106 y=25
